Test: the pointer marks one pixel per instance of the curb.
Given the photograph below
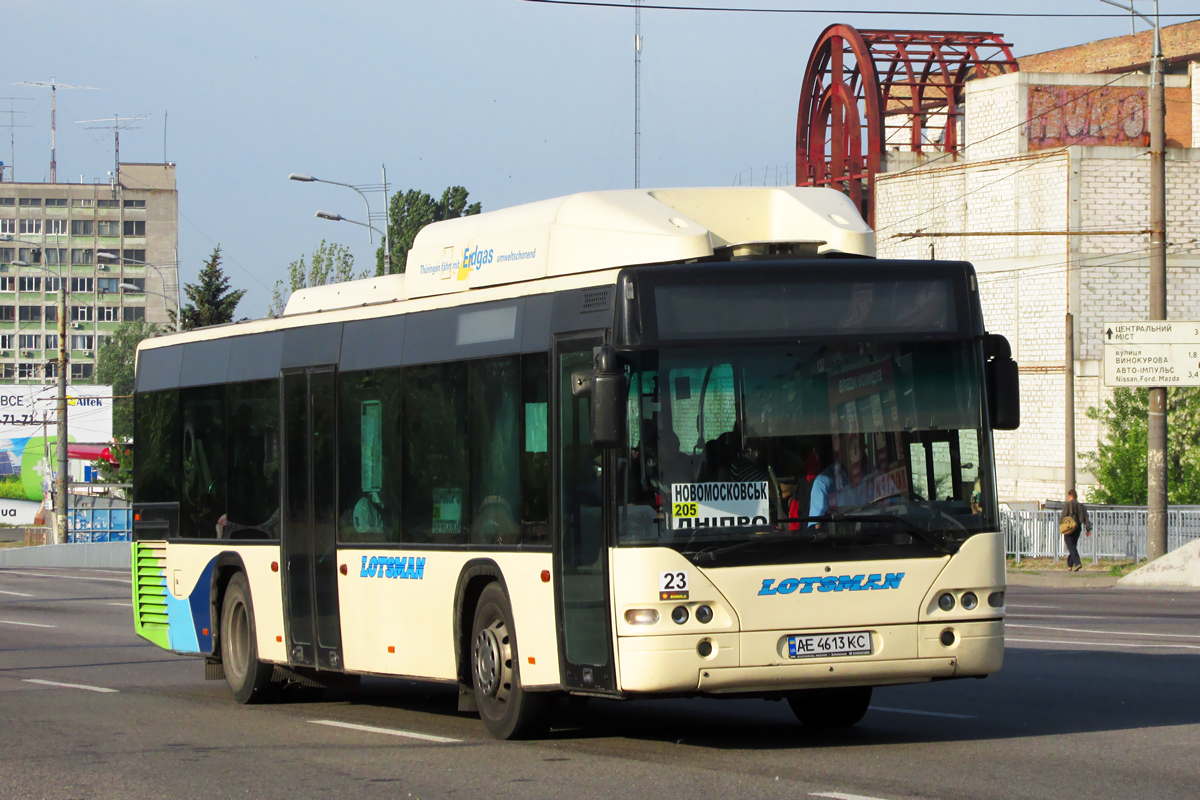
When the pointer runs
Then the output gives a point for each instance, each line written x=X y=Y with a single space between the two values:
x=92 y=555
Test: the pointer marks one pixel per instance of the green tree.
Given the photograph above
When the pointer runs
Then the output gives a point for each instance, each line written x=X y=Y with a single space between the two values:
x=331 y=263
x=1119 y=463
x=114 y=366
x=412 y=210
x=210 y=300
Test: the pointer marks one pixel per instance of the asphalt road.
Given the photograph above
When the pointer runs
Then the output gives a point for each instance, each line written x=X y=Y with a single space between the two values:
x=1099 y=698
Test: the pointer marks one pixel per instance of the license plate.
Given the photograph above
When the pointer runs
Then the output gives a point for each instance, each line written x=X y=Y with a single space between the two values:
x=824 y=645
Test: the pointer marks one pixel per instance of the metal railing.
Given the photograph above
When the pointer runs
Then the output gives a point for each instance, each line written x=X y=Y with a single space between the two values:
x=1117 y=534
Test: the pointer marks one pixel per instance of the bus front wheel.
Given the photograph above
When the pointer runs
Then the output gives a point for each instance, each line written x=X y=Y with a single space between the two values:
x=507 y=710
x=249 y=679
x=831 y=708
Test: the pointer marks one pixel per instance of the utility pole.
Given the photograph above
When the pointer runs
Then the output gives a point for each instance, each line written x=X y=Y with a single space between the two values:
x=60 y=485
x=637 y=94
x=1156 y=481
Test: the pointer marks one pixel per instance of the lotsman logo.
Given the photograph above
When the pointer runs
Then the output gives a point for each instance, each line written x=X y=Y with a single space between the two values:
x=408 y=567
x=830 y=583
x=473 y=260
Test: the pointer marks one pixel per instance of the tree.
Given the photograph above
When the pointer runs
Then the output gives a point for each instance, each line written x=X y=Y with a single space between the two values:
x=331 y=263
x=211 y=301
x=114 y=366
x=411 y=211
x=1119 y=463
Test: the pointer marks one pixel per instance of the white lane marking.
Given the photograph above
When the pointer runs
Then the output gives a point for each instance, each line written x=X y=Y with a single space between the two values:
x=63 y=577
x=1105 y=633
x=1015 y=605
x=26 y=624
x=842 y=796
x=72 y=686
x=921 y=713
x=122 y=605
x=17 y=594
x=425 y=737
x=1147 y=645
x=1072 y=616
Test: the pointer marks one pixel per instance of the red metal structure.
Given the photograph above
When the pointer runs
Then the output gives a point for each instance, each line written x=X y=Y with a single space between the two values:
x=867 y=90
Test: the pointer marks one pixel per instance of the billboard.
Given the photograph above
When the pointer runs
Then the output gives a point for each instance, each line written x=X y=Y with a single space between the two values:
x=28 y=439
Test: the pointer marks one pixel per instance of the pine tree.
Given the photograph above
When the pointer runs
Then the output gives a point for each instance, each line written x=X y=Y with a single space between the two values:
x=211 y=301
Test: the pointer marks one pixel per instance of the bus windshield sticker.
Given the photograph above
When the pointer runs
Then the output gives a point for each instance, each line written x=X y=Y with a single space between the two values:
x=447 y=511
x=716 y=505
x=372 y=446
x=673 y=585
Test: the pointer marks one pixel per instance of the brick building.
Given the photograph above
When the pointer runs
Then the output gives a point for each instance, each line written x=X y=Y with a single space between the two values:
x=1049 y=199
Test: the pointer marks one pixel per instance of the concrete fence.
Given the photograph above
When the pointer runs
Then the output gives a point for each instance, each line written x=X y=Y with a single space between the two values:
x=1117 y=534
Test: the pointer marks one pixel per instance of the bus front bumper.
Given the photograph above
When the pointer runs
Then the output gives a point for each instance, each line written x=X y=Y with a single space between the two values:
x=752 y=661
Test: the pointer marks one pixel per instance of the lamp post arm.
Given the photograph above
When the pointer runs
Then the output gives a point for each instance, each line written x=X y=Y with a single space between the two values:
x=1153 y=23
x=366 y=202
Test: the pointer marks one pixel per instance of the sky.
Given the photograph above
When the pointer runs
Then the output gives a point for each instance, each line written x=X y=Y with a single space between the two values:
x=516 y=101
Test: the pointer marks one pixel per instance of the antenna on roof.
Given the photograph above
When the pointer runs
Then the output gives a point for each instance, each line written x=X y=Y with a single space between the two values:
x=12 y=143
x=117 y=125
x=54 y=87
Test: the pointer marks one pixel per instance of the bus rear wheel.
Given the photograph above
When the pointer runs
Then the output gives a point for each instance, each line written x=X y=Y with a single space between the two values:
x=248 y=678
x=831 y=708
x=507 y=710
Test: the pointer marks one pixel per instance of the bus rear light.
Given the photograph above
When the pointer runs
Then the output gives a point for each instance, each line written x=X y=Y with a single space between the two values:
x=996 y=599
x=641 y=616
x=946 y=602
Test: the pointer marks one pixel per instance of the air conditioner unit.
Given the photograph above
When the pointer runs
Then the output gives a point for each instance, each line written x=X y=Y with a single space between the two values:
x=87 y=353
x=26 y=352
x=75 y=325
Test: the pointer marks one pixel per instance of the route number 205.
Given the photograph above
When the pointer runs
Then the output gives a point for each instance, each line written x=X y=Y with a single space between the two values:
x=683 y=509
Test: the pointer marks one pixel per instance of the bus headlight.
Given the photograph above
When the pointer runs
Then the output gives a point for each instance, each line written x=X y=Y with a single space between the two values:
x=945 y=603
x=641 y=616
x=704 y=614
x=969 y=601
x=679 y=615
x=996 y=599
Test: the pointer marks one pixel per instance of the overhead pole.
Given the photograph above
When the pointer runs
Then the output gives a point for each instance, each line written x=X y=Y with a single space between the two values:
x=637 y=94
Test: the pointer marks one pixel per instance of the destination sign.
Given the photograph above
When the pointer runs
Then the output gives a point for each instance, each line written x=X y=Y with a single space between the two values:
x=1152 y=353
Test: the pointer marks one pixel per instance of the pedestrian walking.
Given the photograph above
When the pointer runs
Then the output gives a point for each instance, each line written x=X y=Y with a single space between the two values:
x=1074 y=520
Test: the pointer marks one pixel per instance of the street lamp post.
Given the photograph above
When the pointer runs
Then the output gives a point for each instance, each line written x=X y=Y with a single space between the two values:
x=60 y=483
x=104 y=255
x=387 y=245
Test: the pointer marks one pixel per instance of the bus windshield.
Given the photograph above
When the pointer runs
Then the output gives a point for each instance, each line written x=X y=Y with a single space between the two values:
x=806 y=451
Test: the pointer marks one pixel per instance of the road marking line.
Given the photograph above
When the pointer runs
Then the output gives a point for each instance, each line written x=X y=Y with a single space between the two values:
x=1106 y=633
x=1108 y=644
x=26 y=624
x=842 y=796
x=72 y=686
x=921 y=713
x=17 y=594
x=64 y=577
x=122 y=605
x=426 y=737
x=1015 y=605
x=1072 y=616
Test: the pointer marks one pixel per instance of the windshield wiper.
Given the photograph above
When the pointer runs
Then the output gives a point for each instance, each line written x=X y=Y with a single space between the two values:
x=781 y=536
x=935 y=538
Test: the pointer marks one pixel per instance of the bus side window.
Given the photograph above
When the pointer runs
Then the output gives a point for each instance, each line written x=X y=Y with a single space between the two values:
x=535 y=450
x=436 y=469
x=369 y=456
x=202 y=499
x=494 y=406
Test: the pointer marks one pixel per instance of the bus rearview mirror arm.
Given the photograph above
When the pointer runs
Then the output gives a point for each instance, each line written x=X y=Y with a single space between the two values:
x=605 y=387
x=1003 y=383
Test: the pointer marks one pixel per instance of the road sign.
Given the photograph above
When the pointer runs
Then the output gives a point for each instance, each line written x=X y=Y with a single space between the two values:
x=1152 y=353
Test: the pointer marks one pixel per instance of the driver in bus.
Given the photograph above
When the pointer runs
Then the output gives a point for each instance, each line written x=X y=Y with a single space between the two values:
x=834 y=487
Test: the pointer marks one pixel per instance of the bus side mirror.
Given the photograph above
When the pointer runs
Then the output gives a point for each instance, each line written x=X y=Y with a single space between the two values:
x=605 y=387
x=1003 y=383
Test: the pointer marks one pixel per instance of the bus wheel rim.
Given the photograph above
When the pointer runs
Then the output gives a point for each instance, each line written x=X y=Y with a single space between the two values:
x=493 y=661
x=239 y=635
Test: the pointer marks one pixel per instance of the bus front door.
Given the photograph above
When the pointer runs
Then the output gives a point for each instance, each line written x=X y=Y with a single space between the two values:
x=309 y=521
x=580 y=546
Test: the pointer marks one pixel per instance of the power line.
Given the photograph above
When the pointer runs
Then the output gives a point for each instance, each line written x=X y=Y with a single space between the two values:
x=879 y=12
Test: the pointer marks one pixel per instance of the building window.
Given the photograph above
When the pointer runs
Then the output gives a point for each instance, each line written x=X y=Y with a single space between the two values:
x=140 y=283
x=8 y=314
x=51 y=369
x=135 y=227
x=82 y=342
x=30 y=255
x=6 y=201
x=55 y=255
x=81 y=314
x=133 y=313
x=29 y=284
x=56 y=202
x=30 y=201
x=82 y=227
x=107 y=314
x=81 y=285
x=32 y=226
x=135 y=256
x=52 y=284
x=51 y=313
x=29 y=313
x=105 y=285
x=8 y=283
x=6 y=341
x=81 y=256
x=108 y=227
x=80 y=202
x=6 y=255
x=81 y=371
x=135 y=203
x=51 y=341
x=108 y=203
x=8 y=226
x=30 y=341
x=26 y=371
x=56 y=227
x=8 y=371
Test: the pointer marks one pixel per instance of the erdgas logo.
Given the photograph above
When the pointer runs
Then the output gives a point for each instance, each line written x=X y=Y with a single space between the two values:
x=473 y=260
x=393 y=567
x=831 y=583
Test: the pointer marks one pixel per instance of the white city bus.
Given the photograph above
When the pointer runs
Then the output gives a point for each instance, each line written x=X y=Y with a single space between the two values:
x=619 y=444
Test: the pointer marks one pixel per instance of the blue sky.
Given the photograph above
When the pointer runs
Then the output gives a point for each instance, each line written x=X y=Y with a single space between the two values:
x=516 y=101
